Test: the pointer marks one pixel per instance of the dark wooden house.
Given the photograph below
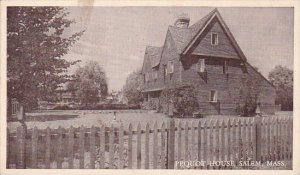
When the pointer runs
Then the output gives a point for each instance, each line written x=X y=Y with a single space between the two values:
x=206 y=55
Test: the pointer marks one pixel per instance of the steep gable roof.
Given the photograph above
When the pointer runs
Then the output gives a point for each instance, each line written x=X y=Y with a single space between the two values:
x=183 y=36
x=154 y=54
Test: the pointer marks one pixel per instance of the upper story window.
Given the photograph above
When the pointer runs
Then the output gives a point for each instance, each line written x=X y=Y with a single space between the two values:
x=225 y=67
x=170 y=67
x=201 y=65
x=213 y=96
x=147 y=77
x=214 y=39
x=155 y=75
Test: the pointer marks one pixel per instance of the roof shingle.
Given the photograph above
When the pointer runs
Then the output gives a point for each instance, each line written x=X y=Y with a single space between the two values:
x=154 y=54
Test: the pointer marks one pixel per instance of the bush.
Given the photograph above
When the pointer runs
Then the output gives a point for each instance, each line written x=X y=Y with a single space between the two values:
x=183 y=99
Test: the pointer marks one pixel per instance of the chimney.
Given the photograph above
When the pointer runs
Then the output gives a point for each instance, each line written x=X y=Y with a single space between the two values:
x=182 y=21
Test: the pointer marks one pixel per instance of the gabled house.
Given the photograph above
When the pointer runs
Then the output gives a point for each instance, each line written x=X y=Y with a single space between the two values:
x=206 y=55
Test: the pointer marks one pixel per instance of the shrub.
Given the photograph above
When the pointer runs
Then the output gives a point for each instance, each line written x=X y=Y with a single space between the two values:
x=183 y=99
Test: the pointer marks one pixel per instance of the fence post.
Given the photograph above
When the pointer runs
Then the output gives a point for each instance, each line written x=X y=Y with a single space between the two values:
x=171 y=144
x=258 y=119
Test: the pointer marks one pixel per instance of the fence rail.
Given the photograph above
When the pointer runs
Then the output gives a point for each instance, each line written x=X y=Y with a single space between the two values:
x=153 y=146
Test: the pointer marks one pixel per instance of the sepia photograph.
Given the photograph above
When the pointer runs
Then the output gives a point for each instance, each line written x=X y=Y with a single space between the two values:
x=149 y=87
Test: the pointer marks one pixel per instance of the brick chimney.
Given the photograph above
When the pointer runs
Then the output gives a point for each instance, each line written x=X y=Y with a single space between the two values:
x=182 y=21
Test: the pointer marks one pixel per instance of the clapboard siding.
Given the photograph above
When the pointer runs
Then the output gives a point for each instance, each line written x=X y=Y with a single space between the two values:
x=224 y=47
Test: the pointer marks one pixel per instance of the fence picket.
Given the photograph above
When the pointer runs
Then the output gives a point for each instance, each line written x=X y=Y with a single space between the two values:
x=138 y=150
x=249 y=138
x=211 y=139
x=121 y=147
x=34 y=151
x=269 y=143
x=111 y=147
x=282 y=139
x=163 y=145
x=290 y=139
x=286 y=139
x=155 y=147
x=81 y=146
x=186 y=141
x=229 y=140
x=277 y=149
x=21 y=148
x=147 y=146
x=102 y=147
x=179 y=141
x=199 y=141
x=273 y=139
x=217 y=141
x=48 y=147
x=92 y=148
x=222 y=145
x=70 y=148
x=205 y=142
x=234 y=140
x=130 y=146
x=192 y=142
x=240 y=144
x=263 y=140
x=59 y=155
x=254 y=127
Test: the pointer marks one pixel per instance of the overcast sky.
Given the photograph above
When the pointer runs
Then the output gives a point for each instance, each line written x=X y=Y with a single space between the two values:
x=116 y=37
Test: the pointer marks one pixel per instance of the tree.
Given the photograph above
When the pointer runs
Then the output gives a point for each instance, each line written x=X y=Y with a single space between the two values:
x=250 y=90
x=183 y=98
x=282 y=78
x=90 y=82
x=36 y=42
x=132 y=88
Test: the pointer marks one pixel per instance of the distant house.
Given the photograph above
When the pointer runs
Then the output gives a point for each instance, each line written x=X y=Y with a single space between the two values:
x=206 y=55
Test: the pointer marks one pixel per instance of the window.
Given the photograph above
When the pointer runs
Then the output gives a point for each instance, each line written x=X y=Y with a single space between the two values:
x=147 y=77
x=170 y=67
x=201 y=65
x=165 y=72
x=213 y=96
x=155 y=75
x=225 y=67
x=214 y=39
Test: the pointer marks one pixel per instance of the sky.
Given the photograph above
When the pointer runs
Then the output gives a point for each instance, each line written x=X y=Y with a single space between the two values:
x=116 y=37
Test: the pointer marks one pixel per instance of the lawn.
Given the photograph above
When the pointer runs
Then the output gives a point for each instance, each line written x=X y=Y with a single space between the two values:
x=68 y=118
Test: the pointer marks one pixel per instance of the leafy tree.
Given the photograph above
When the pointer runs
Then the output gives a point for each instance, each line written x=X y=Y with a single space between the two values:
x=90 y=82
x=132 y=88
x=250 y=90
x=183 y=98
x=36 y=42
x=282 y=78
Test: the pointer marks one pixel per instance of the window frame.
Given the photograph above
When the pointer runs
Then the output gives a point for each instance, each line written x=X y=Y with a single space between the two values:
x=225 y=67
x=215 y=98
x=216 y=39
x=170 y=67
x=147 y=77
x=155 y=75
x=199 y=65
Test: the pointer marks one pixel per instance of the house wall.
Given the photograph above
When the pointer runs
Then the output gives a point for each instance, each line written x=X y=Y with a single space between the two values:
x=169 y=53
x=224 y=47
x=227 y=85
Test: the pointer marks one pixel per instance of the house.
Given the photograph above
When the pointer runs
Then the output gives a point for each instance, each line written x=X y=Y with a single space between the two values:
x=206 y=55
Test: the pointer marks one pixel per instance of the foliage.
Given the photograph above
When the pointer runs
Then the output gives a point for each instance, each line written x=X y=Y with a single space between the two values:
x=250 y=90
x=133 y=88
x=90 y=82
x=36 y=42
x=182 y=98
x=282 y=78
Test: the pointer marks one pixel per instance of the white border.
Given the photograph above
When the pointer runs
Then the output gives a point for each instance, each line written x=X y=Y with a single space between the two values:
x=296 y=139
